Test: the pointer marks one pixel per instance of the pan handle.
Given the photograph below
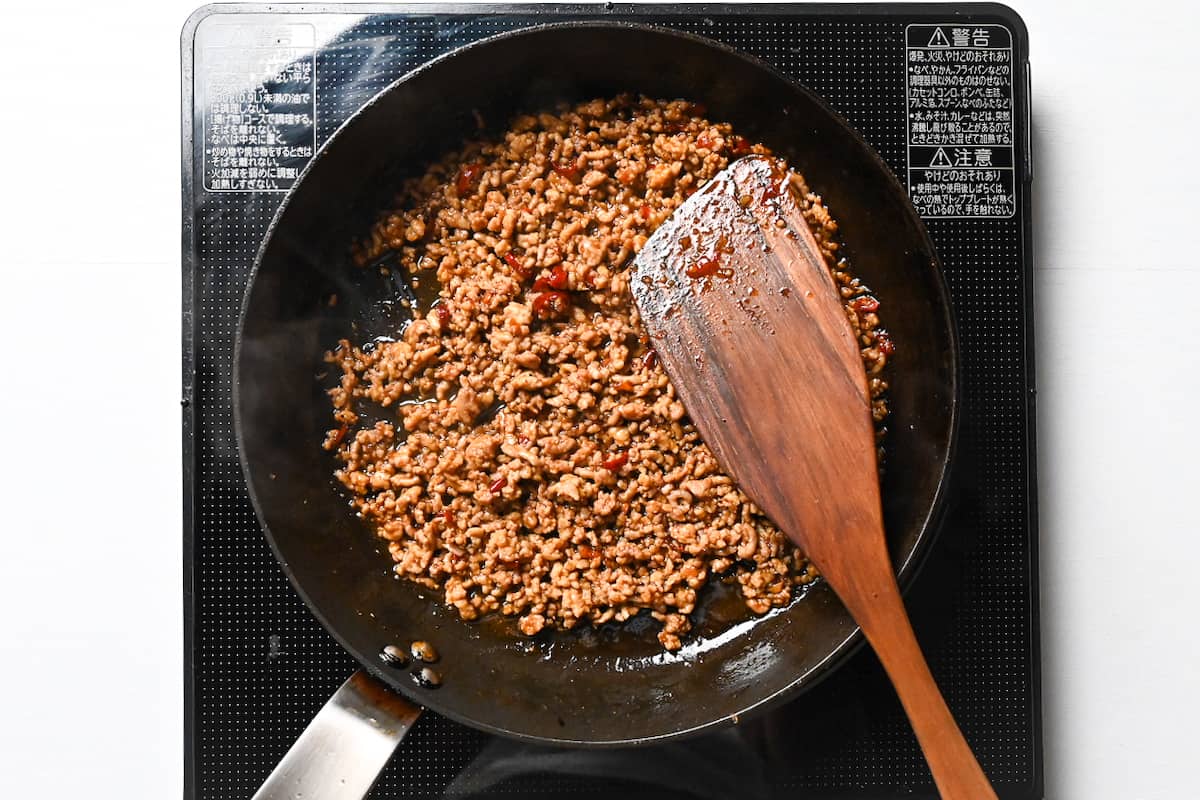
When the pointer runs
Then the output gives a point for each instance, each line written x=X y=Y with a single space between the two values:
x=342 y=751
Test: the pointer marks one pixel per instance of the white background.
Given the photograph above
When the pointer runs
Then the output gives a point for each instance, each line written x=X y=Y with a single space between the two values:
x=90 y=571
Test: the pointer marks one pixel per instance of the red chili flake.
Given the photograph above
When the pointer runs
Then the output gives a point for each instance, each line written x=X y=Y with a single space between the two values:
x=644 y=211
x=443 y=314
x=625 y=386
x=548 y=305
x=468 y=177
x=558 y=278
x=703 y=269
x=739 y=145
x=447 y=516
x=511 y=259
x=704 y=141
x=865 y=304
x=587 y=551
x=689 y=191
x=339 y=436
x=884 y=342
x=497 y=485
x=567 y=169
x=697 y=109
x=774 y=190
x=650 y=359
x=616 y=462
x=523 y=439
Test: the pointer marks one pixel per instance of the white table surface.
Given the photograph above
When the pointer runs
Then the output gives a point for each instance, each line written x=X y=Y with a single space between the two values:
x=90 y=573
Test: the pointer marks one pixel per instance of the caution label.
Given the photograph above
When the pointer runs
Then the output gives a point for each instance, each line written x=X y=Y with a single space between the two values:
x=961 y=129
x=258 y=90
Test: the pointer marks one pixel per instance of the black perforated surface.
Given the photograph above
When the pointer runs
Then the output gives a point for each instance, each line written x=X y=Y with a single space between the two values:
x=260 y=666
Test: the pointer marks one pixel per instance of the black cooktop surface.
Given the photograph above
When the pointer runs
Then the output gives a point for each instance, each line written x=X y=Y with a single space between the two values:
x=940 y=91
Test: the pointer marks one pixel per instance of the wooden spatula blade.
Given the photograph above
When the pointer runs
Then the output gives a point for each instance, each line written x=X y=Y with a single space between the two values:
x=749 y=324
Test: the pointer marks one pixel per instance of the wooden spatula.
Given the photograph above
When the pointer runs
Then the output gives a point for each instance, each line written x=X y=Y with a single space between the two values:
x=748 y=323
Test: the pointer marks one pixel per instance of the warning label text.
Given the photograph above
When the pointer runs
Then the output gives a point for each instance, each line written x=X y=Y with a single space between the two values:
x=259 y=106
x=959 y=92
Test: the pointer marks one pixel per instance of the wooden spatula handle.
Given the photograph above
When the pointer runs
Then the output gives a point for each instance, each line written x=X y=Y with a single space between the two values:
x=883 y=619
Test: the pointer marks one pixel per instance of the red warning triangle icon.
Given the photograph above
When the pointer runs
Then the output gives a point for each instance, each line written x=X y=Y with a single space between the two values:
x=940 y=159
x=938 y=39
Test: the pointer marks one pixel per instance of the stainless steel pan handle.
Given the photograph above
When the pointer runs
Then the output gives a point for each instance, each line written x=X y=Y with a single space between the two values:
x=345 y=747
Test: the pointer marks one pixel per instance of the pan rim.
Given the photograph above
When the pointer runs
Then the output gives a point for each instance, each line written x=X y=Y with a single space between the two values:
x=906 y=571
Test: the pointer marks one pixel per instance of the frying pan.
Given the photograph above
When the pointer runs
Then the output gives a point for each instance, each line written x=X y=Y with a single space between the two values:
x=613 y=686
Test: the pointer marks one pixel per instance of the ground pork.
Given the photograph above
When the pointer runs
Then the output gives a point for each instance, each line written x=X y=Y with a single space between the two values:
x=526 y=454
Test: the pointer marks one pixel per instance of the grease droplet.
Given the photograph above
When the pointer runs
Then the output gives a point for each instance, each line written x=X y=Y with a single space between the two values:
x=427 y=678
x=393 y=656
x=424 y=651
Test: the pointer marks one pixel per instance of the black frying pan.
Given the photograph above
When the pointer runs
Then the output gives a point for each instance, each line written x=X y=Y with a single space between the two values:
x=614 y=686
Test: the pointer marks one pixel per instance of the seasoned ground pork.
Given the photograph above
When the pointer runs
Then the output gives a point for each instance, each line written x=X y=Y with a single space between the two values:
x=531 y=457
